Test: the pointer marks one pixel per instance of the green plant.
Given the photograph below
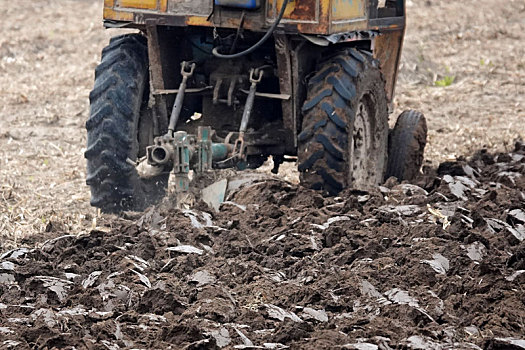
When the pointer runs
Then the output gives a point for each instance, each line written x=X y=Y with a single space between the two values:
x=446 y=81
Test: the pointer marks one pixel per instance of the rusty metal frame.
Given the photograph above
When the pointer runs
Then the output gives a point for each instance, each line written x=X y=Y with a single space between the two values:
x=388 y=48
x=271 y=14
x=283 y=51
x=160 y=115
x=292 y=52
x=321 y=23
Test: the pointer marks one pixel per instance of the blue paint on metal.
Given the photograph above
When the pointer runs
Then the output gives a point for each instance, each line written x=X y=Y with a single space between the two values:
x=219 y=151
x=247 y=4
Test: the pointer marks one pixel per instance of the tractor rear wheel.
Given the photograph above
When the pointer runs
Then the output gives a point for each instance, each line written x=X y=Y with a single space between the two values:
x=120 y=128
x=344 y=137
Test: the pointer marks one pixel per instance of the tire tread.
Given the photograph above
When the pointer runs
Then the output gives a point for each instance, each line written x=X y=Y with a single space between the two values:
x=327 y=119
x=115 y=101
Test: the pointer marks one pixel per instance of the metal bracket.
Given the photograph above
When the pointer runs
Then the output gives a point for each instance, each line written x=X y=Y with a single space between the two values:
x=181 y=161
x=204 y=149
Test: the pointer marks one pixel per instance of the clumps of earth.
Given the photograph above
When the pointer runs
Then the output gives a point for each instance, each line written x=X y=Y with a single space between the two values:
x=435 y=264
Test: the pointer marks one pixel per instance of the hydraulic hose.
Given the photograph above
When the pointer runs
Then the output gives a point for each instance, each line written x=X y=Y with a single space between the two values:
x=270 y=31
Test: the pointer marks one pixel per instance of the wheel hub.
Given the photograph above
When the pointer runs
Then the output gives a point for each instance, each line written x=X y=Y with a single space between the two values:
x=360 y=143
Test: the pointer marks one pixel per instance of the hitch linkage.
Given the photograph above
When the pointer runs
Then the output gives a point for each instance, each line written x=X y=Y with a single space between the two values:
x=183 y=152
x=239 y=148
x=186 y=71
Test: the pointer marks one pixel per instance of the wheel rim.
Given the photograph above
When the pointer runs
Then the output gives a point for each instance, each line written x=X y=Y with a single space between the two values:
x=360 y=144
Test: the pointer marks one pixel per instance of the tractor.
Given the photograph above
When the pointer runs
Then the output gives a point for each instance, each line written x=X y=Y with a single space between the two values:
x=215 y=84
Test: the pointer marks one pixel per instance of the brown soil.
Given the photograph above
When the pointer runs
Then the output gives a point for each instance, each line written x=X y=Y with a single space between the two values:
x=439 y=266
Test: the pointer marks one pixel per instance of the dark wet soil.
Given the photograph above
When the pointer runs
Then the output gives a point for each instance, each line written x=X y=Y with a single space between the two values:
x=437 y=264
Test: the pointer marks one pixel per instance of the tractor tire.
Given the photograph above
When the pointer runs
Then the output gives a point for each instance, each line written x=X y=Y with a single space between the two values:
x=344 y=137
x=407 y=146
x=119 y=129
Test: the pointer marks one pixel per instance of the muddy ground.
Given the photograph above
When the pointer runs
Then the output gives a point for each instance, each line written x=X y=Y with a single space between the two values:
x=437 y=266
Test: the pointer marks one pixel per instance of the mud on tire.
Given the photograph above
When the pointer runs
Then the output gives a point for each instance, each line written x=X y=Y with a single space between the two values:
x=343 y=142
x=407 y=143
x=118 y=105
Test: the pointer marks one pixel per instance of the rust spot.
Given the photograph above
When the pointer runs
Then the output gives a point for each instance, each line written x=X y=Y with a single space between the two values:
x=304 y=9
x=388 y=52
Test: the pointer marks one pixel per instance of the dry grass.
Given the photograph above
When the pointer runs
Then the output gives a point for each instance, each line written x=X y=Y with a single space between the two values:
x=49 y=50
x=47 y=57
